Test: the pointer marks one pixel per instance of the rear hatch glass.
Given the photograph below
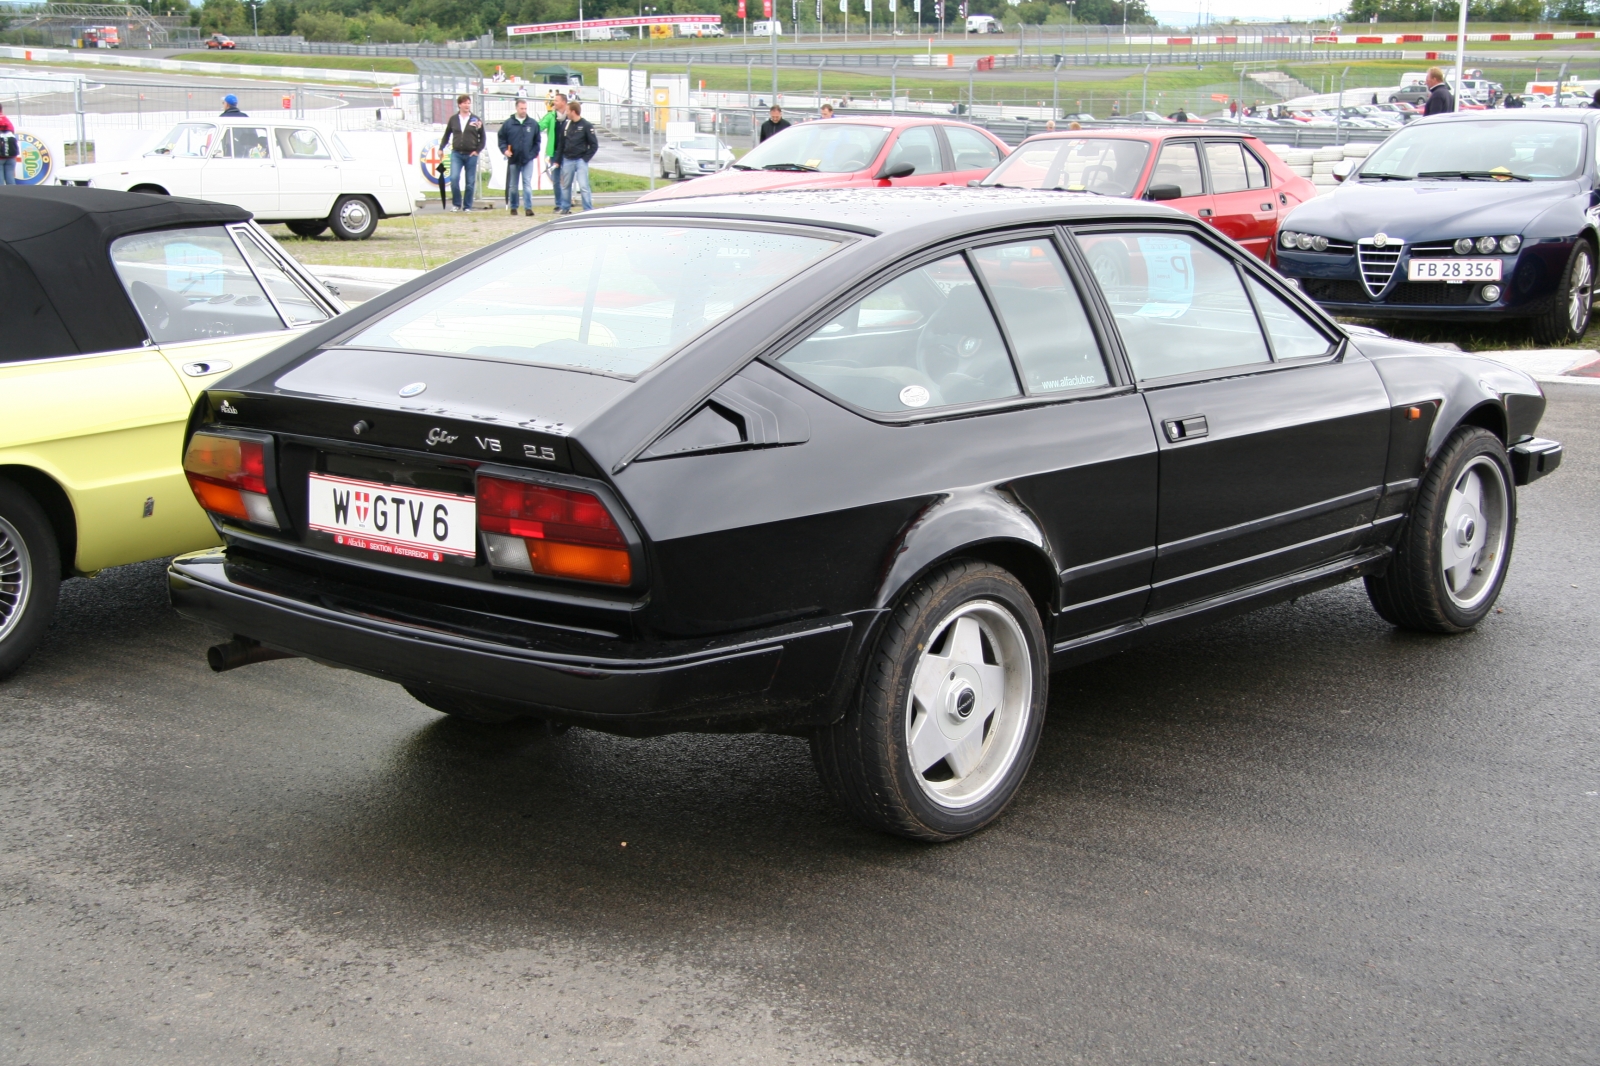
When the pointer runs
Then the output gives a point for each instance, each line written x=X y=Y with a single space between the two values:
x=605 y=299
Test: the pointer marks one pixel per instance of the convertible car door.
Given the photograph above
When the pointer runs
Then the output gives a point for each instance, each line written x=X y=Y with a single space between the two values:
x=1273 y=434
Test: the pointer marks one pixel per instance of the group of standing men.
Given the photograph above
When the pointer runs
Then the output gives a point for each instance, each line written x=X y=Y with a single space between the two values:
x=561 y=140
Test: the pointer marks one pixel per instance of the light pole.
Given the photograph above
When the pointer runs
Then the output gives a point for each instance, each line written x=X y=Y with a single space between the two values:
x=255 y=26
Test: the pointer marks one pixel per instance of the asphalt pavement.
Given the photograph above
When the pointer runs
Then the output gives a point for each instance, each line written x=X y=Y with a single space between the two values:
x=1299 y=837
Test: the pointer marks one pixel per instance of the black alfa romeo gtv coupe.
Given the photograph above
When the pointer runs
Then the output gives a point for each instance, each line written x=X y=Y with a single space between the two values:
x=864 y=466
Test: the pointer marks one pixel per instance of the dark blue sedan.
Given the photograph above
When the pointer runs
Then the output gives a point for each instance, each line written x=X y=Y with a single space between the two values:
x=1466 y=217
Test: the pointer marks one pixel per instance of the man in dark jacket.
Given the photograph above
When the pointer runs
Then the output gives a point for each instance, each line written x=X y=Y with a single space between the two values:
x=576 y=144
x=1440 y=102
x=519 y=143
x=464 y=134
x=230 y=107
x=774 y=125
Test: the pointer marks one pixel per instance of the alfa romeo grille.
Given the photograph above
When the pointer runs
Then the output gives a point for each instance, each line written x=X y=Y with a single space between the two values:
x=1377 y=264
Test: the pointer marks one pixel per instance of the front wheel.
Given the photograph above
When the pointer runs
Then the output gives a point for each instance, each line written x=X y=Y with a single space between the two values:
x=30 y=575
x=1568 y=316
x=353 y=218
x=1451 y=561
x=949 y=710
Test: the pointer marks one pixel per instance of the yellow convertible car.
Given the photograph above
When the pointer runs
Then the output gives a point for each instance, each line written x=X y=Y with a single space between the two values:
x=116 y=310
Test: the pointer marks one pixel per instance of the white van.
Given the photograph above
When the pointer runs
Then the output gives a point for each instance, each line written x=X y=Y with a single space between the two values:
x=983 y=24
x=765 y=28
x=602 y=33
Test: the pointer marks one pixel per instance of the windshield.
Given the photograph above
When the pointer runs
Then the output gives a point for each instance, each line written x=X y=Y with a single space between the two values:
x=1539 y=151
x=1109 y=166
x=187 y=140
x=699 y=144
x=830 y=147
x=612 y=299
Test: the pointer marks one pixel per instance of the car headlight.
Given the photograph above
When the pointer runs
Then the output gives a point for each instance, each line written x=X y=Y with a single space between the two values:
x=1463 y=245
x=1487 y=245
x=1510 y=244
x=1302 y=241
x=1287 y=238
x=1319 y=244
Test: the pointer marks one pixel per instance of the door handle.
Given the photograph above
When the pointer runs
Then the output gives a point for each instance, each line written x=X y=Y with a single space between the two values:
x=1181 y=429
x=1205 y=212
x=1266 y=207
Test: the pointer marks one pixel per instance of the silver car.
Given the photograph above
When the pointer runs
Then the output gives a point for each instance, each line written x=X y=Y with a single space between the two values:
x=689 y=157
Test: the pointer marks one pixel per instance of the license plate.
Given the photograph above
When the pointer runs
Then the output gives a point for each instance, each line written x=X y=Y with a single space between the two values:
x=1454 y=270
x=395 y=520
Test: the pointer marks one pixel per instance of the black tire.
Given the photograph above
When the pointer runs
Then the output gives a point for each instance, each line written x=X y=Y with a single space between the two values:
x=153 y=190
x=1417 y=592
x=868 y=759
x=354 y=218
x=30 y=575
x=1568 y=316
x=308 y=227
x=483 y=710
x=680 y=170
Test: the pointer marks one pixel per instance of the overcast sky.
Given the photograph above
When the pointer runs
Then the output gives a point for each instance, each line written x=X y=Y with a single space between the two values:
x=1171 y=12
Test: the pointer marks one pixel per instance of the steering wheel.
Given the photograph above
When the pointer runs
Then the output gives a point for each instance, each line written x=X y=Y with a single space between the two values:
x=965 y=360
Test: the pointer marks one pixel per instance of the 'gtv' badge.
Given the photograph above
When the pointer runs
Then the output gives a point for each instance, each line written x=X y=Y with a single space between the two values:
x=439 y=436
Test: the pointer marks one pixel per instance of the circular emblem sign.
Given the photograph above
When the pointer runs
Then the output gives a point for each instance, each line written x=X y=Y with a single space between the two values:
x=34 y=165
x=914 y=396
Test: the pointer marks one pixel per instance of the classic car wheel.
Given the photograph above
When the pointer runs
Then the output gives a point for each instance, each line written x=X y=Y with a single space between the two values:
x=680 y=170
x=30 y=574
x=1109 y=262
x=483 y=710
x=353 y=218
x=1451 y=560
x=308 y=227
x=949 y=710
x=1568 y=316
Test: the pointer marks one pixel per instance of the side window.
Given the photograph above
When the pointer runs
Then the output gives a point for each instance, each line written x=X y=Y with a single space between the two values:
x=918 y=146
x=971 y=149
x=1225 y=160
x=301 y=144
x=1179 y=164
x=1291 y=335
x=246 y=142
x=1043 y=317
x=1179 y=306
x=922 y=341
x=297 y=306
x=1255 y=171
x=191 y=284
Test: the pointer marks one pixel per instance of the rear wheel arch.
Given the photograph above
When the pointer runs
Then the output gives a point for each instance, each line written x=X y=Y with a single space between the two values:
x=55 y=503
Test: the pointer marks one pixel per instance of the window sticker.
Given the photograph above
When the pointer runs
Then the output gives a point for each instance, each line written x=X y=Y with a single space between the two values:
x=1169 y=271
x=193 y=270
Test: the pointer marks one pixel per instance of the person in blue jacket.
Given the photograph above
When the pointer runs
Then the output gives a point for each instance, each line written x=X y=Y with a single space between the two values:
x=519 y=143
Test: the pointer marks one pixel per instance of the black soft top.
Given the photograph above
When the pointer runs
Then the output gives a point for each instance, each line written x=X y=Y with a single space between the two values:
x=58 y=292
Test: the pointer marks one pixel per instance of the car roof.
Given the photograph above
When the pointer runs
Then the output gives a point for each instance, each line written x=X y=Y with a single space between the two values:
x=53 y=250
x=1515 y=114
x=887 y=211
x=897 y=121
x=1161 y=133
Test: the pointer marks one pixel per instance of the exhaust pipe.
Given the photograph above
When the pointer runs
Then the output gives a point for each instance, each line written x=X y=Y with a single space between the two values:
x=241 y=651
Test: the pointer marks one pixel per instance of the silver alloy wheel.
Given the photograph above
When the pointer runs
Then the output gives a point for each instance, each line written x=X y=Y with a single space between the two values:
x=16 y=578
x=354 y=215
x=1472 y=545
x=970 y=700
x=1578 y=299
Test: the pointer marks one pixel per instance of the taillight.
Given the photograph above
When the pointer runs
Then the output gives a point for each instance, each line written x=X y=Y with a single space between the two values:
x=229 y=477
x=551 y=531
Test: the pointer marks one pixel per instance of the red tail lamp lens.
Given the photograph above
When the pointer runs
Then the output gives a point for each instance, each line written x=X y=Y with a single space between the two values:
x=229 y=477
x=551 y=531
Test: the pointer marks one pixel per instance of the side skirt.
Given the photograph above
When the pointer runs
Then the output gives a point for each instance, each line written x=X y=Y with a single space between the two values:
x=1178 y=621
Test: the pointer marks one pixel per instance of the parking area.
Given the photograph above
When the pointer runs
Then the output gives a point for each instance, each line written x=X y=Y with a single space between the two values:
x=1299 y=837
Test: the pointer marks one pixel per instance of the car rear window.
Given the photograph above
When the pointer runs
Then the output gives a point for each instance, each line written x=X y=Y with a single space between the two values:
x=1109 y=166
x=609 y=299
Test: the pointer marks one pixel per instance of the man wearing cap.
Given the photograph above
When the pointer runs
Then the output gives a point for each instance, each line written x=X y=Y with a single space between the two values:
x=230 y=107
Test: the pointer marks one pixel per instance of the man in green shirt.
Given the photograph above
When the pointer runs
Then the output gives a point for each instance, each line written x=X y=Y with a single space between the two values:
x=555 y=109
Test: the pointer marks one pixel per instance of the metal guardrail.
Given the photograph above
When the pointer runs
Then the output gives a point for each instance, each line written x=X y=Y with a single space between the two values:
x=1250 y=53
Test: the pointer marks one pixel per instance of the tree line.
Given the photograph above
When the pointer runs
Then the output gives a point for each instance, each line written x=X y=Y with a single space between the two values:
x=407 y=21
x=1568 y=11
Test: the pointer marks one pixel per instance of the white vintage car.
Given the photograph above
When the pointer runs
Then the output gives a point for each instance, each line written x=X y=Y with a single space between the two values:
x=278 y=170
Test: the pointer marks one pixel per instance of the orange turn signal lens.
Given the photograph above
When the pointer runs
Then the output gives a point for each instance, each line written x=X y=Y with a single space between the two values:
x=219 y=499
x=229 y=477
x=582 y=561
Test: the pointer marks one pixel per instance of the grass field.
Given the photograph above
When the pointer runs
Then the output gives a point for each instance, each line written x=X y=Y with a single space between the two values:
x=274 y=59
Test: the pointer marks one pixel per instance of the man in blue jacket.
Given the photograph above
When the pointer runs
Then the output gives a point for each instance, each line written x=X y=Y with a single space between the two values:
x=519 y=143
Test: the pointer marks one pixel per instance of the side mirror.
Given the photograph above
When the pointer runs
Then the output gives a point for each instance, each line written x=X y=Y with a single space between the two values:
x=1163 y=192
x=899 y=170
x=1342 y=169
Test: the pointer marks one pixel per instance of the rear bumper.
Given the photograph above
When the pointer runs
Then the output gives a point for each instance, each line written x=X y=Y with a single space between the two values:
x=778 y=679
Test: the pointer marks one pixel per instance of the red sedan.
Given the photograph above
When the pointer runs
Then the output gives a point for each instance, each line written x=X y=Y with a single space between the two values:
x=855 y=153
x=1228 y=179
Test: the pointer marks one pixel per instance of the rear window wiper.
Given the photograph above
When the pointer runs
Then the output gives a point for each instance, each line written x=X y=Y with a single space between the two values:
x=791 y=166
x=1475 y=175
